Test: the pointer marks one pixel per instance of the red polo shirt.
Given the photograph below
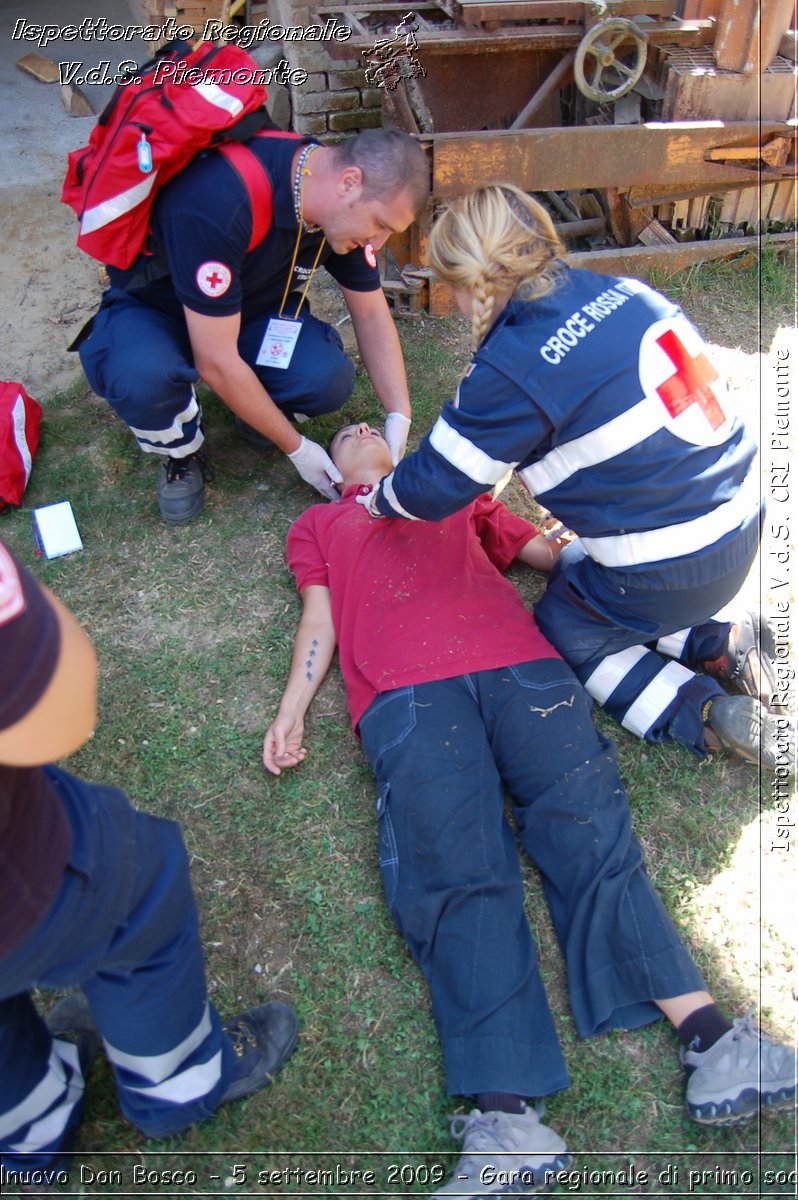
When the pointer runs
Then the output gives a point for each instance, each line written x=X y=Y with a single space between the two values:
x=414 y=601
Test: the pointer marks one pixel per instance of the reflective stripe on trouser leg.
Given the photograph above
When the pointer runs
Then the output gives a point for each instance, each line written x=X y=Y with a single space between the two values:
x=673 y=644
x=179 y=1076
x=45 y=1089
x=638 y=688
x=165 y=1041
x=179 y=439
x=698 y=643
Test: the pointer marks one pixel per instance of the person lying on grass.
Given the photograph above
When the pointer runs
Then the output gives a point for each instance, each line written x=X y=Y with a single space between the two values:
x=456 y=695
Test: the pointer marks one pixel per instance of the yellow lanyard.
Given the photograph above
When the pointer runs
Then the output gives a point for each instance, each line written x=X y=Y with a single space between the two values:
x=293 y=260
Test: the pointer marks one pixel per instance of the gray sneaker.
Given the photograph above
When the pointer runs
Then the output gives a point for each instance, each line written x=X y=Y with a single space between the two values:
x=504 y=1154
x=745 y=728
x=740 y=1074
x=181 y=489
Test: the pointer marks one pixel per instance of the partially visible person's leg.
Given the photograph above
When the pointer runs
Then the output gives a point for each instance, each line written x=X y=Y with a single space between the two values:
x=124 y=928
x=626 y=961
x=41 y=1093
x=139 y=359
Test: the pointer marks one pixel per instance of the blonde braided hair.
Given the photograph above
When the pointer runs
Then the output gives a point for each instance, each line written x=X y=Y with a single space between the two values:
x=496 y=239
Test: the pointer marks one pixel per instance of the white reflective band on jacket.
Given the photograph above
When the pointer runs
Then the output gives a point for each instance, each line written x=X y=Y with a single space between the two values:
x=218 y=97
x=467 y=457
x=615 y=437
x=687 y=537
x=390 y=496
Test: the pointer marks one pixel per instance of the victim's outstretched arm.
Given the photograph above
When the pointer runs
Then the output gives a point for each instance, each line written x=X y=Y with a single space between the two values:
x=314 y=647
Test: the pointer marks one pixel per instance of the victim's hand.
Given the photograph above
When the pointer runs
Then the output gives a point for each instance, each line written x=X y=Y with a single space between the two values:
x=282 y=744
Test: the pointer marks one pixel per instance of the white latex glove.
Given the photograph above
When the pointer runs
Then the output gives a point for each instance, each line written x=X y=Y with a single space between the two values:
x=397 y=427
x=367 y=499
x=316 y=468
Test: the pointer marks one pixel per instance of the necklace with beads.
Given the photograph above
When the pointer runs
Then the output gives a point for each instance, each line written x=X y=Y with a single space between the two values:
x=301 y=170
x=302 y=226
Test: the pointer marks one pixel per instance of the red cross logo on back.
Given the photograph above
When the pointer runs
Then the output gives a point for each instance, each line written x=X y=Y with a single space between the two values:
x=691 y=382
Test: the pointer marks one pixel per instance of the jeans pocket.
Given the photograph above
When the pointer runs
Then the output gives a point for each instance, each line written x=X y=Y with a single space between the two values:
x=387 y=722
x=545 y=675
x=386 y=845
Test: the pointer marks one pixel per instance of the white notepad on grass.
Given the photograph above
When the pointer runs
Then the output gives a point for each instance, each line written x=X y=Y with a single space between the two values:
x=56 y=529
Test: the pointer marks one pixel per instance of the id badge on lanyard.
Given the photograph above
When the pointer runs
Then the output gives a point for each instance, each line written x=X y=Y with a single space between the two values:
x=282 y=333
x=279 y=342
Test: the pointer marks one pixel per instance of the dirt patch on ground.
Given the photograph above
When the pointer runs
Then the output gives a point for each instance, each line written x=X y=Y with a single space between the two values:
x=53 y=289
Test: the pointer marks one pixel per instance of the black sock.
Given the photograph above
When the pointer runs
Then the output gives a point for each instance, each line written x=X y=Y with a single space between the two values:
x=500 y=1102
x=703 y=1028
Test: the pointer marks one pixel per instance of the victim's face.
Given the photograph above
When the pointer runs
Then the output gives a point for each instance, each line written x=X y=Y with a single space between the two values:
x=358 y=449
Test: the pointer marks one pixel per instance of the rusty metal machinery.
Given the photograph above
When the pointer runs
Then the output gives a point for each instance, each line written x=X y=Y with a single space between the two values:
x=649 y=127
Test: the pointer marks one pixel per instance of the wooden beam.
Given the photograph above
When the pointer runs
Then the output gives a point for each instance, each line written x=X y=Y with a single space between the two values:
x=639 y=261
x=563 y=159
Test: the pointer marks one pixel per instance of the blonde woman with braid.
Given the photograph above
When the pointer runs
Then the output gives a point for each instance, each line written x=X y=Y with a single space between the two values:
x=602 y=396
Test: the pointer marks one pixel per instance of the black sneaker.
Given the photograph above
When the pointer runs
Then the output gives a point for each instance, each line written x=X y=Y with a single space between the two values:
x=263 y=1039
x=747 y=663
x=181 y=489
x=70 y=1020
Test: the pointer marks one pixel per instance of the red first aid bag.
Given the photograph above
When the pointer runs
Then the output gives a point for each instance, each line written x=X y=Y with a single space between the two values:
x=20 y=417
x=179 y=103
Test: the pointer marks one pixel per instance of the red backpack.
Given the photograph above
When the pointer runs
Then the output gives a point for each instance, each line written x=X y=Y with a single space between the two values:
x=182 y=101
x=20 y=416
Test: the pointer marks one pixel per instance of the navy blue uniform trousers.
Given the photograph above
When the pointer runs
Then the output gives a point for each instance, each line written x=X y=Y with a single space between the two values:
x=123 y=927
x=140 y=360
x=443 y=753
x=636 y=641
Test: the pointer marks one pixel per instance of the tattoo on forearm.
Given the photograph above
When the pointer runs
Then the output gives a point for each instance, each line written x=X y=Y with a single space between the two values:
x=309 y=661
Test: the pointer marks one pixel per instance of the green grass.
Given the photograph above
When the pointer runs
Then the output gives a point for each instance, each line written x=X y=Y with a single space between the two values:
x=193 y=628
x=743 y=300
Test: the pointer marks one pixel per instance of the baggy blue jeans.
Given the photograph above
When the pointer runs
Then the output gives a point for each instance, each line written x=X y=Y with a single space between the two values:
x=123 y=927
x=443 y=754
x=140 y=360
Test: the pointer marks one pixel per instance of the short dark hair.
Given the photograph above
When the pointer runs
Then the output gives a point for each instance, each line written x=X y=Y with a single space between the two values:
x=390 y=161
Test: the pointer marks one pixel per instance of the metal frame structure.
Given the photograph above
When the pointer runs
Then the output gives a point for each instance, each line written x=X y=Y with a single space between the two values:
x=488 y=88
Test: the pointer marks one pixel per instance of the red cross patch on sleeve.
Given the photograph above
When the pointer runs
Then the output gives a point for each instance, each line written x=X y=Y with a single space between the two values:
x=213 y=278
x=12 y=597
